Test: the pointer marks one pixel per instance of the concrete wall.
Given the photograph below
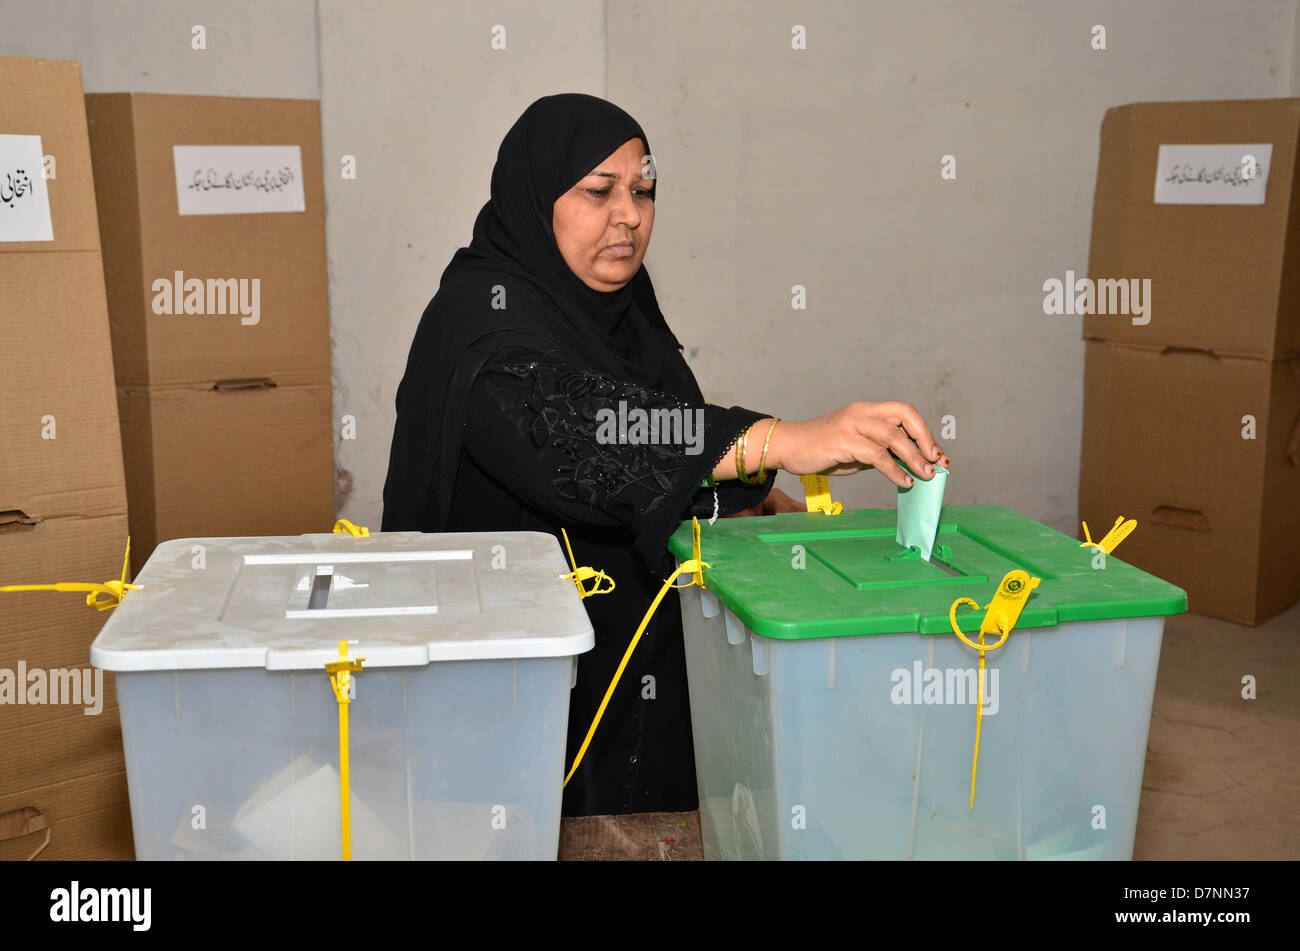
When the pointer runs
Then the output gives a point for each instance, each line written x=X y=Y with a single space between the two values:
x=418 y=94
x=821 y=167
x=254 y=47
x=778 y=167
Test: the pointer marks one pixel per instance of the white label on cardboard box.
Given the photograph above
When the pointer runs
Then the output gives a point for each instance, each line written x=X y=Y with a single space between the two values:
x=24 y=200
x=238 y=179
x=1212 y=174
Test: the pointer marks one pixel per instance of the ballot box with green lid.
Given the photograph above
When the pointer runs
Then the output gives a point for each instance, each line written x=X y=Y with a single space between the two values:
x=835 y=711
x=458 y=717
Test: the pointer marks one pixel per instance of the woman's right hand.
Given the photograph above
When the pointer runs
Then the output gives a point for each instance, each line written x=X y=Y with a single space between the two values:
x=856 y=437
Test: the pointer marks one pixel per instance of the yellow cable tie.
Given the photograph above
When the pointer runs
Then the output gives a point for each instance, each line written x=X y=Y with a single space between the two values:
x=344 y=527
x=585 y=573
x=817 y=495
x=1118 y=532
x=114 y=591
x=1000 y=617
x=341 y=672
x=698 y=570
x=692 y=566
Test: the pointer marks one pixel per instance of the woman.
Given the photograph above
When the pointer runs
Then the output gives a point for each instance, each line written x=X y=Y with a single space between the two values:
x=544 y=329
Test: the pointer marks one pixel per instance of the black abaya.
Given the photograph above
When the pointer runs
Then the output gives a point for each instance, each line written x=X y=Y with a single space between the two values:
x=497 y=431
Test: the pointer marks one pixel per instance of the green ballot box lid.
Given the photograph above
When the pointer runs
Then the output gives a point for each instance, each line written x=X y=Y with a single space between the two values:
x=810 y=575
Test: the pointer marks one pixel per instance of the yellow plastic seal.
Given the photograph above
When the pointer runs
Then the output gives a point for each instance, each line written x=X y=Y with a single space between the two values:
x=341 y=672
x=817 y=495
x=585 y=573
x=1118 y=532
x=114 y=591
x=999 y=618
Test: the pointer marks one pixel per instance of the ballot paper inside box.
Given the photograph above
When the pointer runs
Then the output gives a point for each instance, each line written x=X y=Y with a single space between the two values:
x=456 y=731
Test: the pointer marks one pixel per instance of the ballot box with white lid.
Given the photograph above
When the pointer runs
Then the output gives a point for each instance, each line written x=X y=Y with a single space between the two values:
x=456 y=731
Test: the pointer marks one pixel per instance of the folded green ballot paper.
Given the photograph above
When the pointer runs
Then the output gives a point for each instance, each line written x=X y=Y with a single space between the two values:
x=918 y=510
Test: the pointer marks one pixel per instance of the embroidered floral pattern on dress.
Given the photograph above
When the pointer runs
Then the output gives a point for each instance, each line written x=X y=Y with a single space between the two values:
x=559 y=407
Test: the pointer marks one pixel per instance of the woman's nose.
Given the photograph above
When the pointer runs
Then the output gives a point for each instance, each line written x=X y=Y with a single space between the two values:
x=624 y=210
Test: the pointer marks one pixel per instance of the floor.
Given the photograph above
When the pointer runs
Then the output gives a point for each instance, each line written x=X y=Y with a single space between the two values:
x=1222 y=776
x=649 y=836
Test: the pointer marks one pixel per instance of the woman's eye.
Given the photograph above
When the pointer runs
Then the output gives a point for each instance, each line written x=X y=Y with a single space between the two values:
x=604 y=192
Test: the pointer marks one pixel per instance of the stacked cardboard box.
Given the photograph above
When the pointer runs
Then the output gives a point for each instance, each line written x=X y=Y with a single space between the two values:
x=212 y=219
x=1192 y=410
x=63 y=510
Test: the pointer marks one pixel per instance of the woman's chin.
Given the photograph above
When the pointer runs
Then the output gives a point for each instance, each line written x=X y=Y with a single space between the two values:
x=610 y=278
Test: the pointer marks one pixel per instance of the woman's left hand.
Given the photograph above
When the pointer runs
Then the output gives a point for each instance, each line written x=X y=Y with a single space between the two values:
x=775 y=503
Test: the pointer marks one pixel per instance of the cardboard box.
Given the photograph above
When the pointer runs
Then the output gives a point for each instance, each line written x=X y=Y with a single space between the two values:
x=239 y=459
x=88 y=818
x=1224 y=277
x=60 y=763
x=1163 y=443
x=258 y=279
x=216 y=284
x=1199 y=199
x=58 y=427
x=43 y=97
x=62 y=490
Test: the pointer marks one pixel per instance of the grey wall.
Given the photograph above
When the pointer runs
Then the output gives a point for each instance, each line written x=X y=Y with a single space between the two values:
x=817 y=167
x=821 y=167
x=261 y=48
x=417 y=93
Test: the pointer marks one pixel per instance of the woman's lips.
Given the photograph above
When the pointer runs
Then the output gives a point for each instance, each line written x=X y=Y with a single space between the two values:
x=618 y=250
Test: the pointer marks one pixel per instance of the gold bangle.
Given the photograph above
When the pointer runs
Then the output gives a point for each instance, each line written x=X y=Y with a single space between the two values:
x=742 y=471
x=762 y=460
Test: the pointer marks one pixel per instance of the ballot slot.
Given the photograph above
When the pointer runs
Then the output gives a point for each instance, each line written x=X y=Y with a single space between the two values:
x=364 y=589
x=318 y=586
x=994 y=559
x=940 y=563
x=876 y=563
x=870 y=557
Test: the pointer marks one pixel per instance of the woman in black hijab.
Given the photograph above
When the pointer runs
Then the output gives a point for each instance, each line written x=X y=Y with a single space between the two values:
x=544 y=327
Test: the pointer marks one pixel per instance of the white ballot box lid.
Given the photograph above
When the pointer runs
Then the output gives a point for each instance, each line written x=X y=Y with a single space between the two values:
x=405 y=598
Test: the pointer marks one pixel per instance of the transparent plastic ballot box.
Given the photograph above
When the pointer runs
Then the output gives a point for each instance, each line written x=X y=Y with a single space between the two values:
x=230 y=724
x=834 y=710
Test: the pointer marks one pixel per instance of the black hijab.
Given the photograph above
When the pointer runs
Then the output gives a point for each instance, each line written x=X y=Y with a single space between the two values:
x=555 y=143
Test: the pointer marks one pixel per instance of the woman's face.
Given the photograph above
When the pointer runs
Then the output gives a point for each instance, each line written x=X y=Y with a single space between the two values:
x=602 y=224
